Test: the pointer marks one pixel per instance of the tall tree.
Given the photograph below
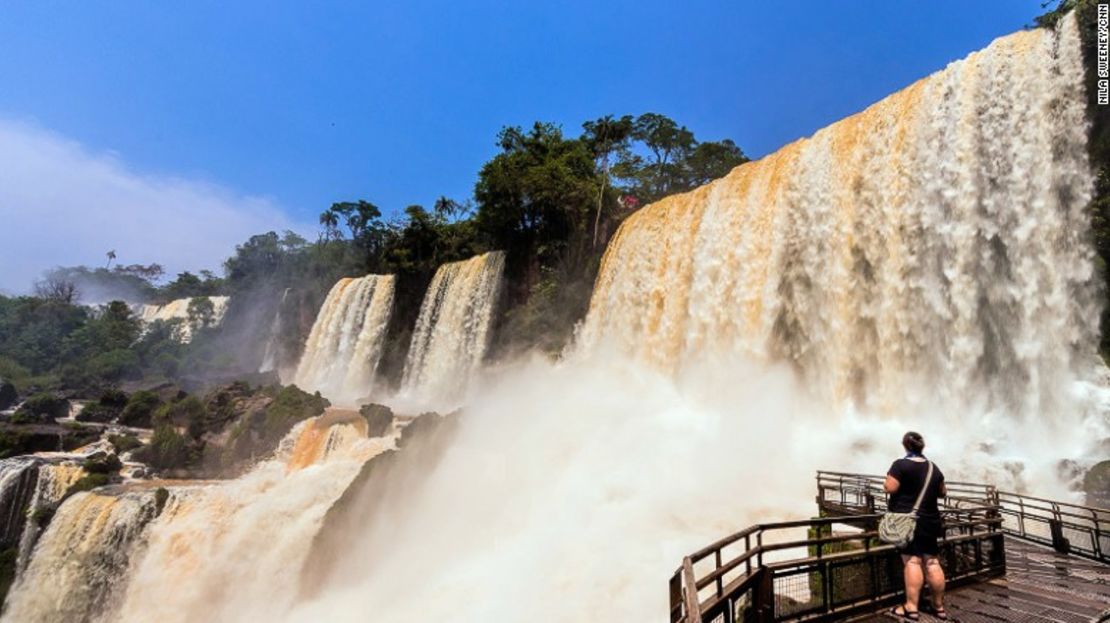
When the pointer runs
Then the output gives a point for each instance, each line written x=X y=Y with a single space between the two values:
x=606 y=137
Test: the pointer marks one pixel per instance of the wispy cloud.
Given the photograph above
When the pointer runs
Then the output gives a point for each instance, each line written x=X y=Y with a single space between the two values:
x=62 y=204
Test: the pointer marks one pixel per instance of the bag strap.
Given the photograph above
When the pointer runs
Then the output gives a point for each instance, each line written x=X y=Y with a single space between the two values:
x=924 y=487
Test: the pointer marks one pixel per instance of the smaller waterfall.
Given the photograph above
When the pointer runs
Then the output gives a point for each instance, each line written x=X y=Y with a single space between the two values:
x=343 y=349
x=214 y=551
x=82 y=560
x=452 y=331
x=178 y=309
x=54 y=479
x=270 y=355
x=29 y=484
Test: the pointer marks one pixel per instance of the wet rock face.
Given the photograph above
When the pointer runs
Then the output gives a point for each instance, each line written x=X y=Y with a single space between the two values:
x=379 y=418
x=19 y=439
x=1096 y=484
x=8 y=395
x=420 y=447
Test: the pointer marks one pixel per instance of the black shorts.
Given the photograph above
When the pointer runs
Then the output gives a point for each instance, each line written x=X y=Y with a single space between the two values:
x=924 y=541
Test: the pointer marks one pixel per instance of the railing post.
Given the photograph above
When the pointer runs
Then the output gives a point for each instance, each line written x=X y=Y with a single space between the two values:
x=675 y=590
x=1056 y=526
x=764 y=597
x=720 y=580
x=693 y=606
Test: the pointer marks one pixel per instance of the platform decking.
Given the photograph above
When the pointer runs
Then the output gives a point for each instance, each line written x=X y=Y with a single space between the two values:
x=1040 y=586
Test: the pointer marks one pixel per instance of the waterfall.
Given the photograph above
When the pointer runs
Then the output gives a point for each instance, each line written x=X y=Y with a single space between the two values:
x=53 y=480
x=18 y=478
x=178 y=309
x=218 y=551
x=273 y=342
x=29 y=484
x=932 y=249
x=81 y=561
x=343 y=349
x=452 y=330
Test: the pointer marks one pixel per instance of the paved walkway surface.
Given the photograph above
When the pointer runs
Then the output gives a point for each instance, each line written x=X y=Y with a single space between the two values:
x=1040 y=586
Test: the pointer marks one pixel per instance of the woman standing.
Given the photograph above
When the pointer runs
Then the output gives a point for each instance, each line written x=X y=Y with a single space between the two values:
x=907 y=477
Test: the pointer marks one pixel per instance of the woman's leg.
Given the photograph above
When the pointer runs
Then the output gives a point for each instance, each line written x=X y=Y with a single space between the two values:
x=934 y=574
x=915 y=579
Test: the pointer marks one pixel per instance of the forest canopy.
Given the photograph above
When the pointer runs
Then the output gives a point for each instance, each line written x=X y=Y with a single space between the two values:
x=550 y=200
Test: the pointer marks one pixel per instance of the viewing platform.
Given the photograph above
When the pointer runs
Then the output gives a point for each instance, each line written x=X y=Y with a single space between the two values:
x=1007 y=557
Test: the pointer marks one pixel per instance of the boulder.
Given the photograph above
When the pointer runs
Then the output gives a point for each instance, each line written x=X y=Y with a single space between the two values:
x=1096 y=484
x=379 y=419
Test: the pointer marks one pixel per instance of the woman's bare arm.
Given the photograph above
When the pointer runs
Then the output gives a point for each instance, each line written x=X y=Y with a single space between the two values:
x=891 y=484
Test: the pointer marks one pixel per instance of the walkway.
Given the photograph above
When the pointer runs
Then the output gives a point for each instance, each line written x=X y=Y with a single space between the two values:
x=1040 y=586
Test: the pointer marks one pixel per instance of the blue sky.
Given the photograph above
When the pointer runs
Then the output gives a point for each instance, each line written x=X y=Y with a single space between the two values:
x=291 y=106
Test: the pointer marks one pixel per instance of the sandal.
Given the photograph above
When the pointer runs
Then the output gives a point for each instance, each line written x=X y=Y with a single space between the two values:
x=905 y=614
x=940 y=613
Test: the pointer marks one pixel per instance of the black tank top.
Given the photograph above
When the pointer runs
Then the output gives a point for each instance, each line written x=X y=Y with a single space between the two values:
x=911 y=477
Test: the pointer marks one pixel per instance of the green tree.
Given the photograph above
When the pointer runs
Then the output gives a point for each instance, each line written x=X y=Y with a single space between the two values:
x=201 y=312
x=535 y=197
x=606 y=137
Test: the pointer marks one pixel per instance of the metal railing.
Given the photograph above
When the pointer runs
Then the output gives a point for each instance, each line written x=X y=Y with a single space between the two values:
x=820 y=569
x=1068 y=528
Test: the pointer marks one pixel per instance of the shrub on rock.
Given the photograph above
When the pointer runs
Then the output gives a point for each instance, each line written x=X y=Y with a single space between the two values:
x=140 y=409
x=124 y=443
x=168 y=449
x=108 y=464
x=41 y=408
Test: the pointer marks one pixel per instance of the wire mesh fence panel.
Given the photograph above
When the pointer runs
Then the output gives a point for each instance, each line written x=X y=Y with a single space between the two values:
x=794 y=594
x=743 y=608
x=1079 y=538
x=851 y=581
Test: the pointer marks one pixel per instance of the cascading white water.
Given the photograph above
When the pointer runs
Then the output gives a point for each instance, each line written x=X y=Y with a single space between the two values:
x=54 y=479
x=18 y=478
x=29 y=485
x=270 y=354
x=345 y=345
x=81 y=561
x=452 y=330
x=106 y=558
x=931 y=250
x=178 y=309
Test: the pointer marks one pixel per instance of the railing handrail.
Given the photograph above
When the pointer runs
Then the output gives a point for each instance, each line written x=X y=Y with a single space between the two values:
x=951 y=485
x=751 y=557
x=977 y=517
x=1068 y=527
